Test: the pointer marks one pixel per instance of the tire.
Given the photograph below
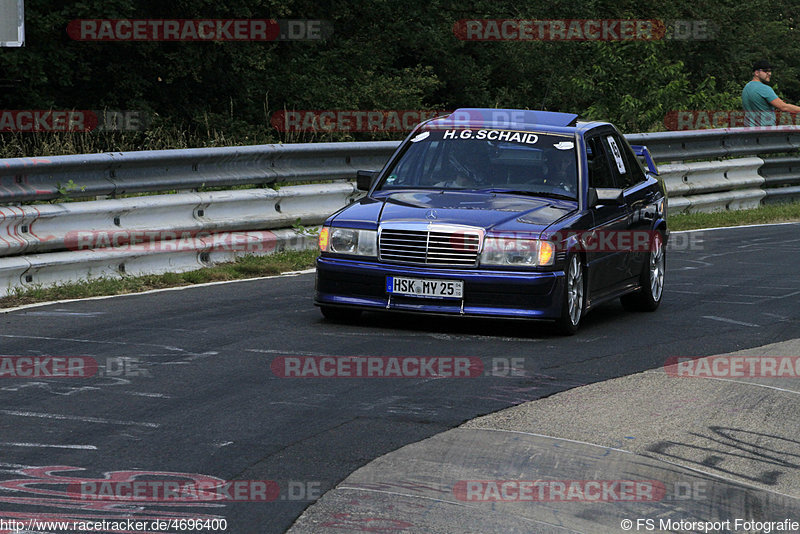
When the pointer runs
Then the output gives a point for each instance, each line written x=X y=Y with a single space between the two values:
x=651 y=281
x=574 y=298
x=340 y=315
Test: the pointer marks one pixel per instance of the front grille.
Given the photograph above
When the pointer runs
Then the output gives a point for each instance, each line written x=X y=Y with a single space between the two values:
x=431 y=245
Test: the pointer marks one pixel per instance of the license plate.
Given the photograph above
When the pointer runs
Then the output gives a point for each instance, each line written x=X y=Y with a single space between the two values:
x=418 y=287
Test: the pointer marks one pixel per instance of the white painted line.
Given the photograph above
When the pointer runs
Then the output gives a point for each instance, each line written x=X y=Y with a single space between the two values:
x=731 y=321
x=18 y=466
x=294 y=353
x=410 y=495
x=546 y=436
x=77 y=340
x=181 y=288
x=64 y=313
x=654 y=457
x=77 y=418
x=143 y=394
x=766 y=297
x=44 y=446
x=731 y=227
x=781 y=317
x=721 y=477
x=662 y=372
x=752 y=384
x=288 y=403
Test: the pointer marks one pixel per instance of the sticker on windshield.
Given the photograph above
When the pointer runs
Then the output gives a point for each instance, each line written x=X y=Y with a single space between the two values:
x=564 y=145
x=420 y=137
x=617 y=154
x=493 y=135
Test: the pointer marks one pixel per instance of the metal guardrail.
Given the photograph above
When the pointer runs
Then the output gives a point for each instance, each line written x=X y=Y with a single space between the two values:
x=119 y=173
x=35 y=246
x=713 y=185
x=780 y=176
x=40 y=270
x=718 y=142
x=726 y=183
x=57 y=243
x=54 y=227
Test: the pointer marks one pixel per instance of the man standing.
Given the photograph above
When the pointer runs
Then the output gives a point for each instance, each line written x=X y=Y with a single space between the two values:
x=759 y=100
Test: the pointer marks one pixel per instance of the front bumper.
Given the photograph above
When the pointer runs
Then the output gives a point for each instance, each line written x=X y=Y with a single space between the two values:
x=516 y=294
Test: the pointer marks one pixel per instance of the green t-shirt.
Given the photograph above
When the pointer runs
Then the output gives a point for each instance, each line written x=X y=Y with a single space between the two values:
x=756 y=96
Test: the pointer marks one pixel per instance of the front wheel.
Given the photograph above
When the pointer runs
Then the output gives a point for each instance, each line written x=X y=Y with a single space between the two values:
x=648 y=297
x=573 y=301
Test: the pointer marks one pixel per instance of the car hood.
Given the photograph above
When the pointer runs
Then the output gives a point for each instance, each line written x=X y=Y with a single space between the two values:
x=492 y=211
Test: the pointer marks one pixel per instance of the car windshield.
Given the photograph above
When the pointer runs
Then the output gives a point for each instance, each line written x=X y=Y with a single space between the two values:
x=490 y=160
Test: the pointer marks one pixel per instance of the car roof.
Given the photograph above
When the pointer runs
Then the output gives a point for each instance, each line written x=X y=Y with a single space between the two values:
x=516 y=119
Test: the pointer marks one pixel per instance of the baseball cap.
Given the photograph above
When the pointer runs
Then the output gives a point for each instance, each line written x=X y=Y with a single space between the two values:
x=762 y=64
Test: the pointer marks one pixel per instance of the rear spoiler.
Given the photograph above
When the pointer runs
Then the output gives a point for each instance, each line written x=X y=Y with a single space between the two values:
x=642 y=152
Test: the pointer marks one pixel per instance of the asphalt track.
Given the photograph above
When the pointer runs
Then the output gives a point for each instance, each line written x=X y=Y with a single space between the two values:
x=657 y=451
x=187 y=390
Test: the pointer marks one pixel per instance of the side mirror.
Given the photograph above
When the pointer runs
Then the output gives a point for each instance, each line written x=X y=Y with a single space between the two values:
x=600 y=196
x=365 y=179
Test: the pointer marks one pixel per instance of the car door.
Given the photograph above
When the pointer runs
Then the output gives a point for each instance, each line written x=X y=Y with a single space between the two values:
x=604 y=262
x=640 y=200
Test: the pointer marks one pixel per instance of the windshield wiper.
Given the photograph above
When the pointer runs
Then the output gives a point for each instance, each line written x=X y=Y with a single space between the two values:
x=525 y=192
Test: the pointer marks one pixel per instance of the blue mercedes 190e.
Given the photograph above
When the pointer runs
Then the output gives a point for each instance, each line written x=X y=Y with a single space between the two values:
x=500 y=213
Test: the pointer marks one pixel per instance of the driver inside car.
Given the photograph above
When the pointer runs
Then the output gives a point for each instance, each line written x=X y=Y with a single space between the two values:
x=466 y=166
x=560 y=170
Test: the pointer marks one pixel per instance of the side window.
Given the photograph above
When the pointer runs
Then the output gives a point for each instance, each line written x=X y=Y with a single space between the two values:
x=599 y=170
x=637 y=172
x=628 y=171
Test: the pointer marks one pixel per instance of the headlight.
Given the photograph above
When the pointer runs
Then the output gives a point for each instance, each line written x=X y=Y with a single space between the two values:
x=517 y=252
x=348 y=241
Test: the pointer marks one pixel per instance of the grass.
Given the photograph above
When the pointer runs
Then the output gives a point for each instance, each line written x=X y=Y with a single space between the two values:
x=765 y=214
x=257 y=266
x=245 y=267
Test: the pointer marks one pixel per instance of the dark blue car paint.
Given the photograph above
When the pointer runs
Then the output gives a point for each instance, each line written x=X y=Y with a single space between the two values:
x=359 y=282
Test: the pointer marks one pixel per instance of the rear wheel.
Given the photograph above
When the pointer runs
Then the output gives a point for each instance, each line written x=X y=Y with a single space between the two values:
x=648 y=297
x=574 y=300
x=340 y=315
